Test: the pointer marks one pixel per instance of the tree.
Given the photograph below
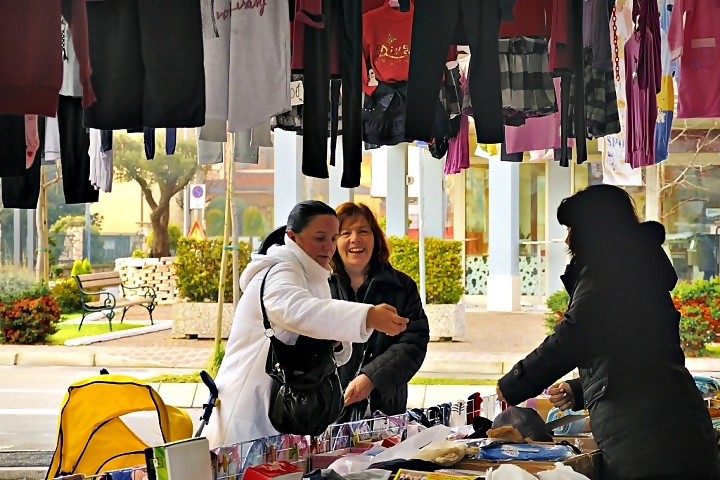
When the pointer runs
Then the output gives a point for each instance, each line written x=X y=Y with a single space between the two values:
x=252 y=223
x=215 y=215
x=170 y=173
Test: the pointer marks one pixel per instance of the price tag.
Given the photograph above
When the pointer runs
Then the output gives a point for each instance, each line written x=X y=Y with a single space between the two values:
x=297 y=93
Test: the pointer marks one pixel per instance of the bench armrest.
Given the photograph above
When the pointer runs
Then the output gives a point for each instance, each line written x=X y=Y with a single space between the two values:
x=108 y=302
x=149 y=292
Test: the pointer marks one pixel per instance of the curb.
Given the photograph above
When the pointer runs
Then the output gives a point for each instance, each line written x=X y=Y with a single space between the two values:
x=104 y=337
x=72 y=359
x=23 y=473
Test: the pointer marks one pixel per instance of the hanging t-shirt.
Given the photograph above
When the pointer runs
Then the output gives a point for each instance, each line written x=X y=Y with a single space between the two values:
x=697 y=44
x=641 y=102
x=666 y=97
x=71 y=86
x=247 y=63
x=387 y=35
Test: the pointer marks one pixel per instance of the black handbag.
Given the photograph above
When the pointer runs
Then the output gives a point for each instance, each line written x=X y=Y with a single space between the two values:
x=306 y=396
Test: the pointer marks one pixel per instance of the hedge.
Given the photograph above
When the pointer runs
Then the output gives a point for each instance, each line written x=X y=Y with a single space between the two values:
x=443 y=266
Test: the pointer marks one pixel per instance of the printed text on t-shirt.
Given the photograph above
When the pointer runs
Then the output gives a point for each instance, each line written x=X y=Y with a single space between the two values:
x=242 y=5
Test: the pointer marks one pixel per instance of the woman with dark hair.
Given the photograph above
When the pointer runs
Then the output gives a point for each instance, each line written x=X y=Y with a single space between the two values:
x=621 y=330
x=295 y=260
x=377 y=375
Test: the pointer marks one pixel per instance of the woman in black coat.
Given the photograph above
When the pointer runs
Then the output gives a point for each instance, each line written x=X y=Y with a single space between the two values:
x=377 y=375
x=621 y=330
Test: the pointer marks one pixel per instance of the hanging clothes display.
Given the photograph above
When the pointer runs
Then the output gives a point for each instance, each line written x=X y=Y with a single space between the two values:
x=147 y=63
x=75 y=153
x=616 y=169
x=527 y=87
x=641 y=61
x=666 y=97
x=330 y=46
x=693 y=39
x=101 y=159
x=12 y=145
x=23 y=191
x=460 y=22
x=31 y=72
x=537 y=133
x=386 y=52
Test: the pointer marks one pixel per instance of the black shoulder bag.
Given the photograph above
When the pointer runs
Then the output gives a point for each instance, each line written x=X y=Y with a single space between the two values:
x=306 y=396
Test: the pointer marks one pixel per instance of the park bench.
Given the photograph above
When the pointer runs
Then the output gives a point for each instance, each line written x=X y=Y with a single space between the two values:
x=104 y=301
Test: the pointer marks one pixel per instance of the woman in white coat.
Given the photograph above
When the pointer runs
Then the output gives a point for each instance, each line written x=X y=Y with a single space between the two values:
x=298 y=302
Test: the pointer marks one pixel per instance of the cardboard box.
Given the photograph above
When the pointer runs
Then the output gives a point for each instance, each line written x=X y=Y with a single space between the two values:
x=274 y=471
x=585 y=442
x=587 y=464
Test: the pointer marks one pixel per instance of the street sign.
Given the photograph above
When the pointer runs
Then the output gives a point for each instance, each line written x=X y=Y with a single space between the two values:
x=197 y=197
x=196 y=232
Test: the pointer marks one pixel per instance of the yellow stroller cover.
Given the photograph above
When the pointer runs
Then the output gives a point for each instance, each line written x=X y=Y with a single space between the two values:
x=92 y=438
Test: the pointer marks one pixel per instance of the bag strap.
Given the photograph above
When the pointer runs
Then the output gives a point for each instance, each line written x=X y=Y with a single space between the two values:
x=266 y=322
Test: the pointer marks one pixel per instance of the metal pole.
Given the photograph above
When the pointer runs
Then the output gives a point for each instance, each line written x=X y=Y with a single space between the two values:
x=186 y=210
x=17 y=235
x=88 y=221
x=31 y=239
x=421 y=231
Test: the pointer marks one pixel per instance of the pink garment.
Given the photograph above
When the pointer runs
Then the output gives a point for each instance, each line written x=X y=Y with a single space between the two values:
x=641 y=102
x=697 y=43
x=32 y=139
x=458 y=157
x=540 y=133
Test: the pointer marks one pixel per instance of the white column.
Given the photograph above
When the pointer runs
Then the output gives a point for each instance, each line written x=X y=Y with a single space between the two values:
x=396 y=199
x=431 y=189
x=558 y=181
x=653 y=186
x=503 y=292
x=288 y=174
x=337 y=193
x=30 y=238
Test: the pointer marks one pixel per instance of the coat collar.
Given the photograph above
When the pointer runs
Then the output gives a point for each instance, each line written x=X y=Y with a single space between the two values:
x=312 y=269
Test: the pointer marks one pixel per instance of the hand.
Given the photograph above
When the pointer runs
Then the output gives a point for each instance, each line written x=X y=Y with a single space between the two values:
x=384 y=318
x=499 y=394
x=561 y=396
x=358 y=390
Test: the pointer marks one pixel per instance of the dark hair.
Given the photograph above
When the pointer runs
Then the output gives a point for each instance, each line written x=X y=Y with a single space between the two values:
x=299 y=218
x=604 y=224
x=381 y=252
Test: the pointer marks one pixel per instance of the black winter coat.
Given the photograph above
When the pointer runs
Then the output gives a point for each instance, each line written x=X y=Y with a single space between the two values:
x=389 y=362
x=621 y=330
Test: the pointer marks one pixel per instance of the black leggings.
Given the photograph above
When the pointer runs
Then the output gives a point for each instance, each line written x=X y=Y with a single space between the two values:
x=23 y=191
x=459 y=22
x=74 y=156
x=343 y=27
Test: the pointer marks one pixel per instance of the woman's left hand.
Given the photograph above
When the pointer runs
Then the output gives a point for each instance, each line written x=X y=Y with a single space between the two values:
x=500 y=395
x=358 y=390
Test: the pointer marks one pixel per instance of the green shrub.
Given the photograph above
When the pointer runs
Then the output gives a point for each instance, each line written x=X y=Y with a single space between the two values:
x=139 y=254
x=556 y=303
x=81 y=267
x=443 y=266
x=197 y=267
x=698 y=303
x=67 y=295
x=28 y=314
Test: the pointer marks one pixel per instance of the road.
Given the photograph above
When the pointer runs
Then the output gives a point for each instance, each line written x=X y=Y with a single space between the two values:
x=30 y=401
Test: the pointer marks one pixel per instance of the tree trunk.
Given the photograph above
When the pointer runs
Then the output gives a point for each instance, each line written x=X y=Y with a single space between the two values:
x=160 y=220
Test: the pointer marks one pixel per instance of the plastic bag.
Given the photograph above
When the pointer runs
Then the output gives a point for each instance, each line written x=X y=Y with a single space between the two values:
x=525 y=452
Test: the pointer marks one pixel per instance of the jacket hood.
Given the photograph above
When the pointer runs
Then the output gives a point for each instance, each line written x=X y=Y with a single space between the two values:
x=291 y=253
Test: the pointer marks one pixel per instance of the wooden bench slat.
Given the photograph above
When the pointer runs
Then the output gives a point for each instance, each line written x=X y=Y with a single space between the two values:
x=106 y=282
x=119 y=303
x=88 y=277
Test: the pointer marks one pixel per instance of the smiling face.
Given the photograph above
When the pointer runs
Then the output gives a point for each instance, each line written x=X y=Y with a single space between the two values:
x=355 y=244
x=318 y=238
